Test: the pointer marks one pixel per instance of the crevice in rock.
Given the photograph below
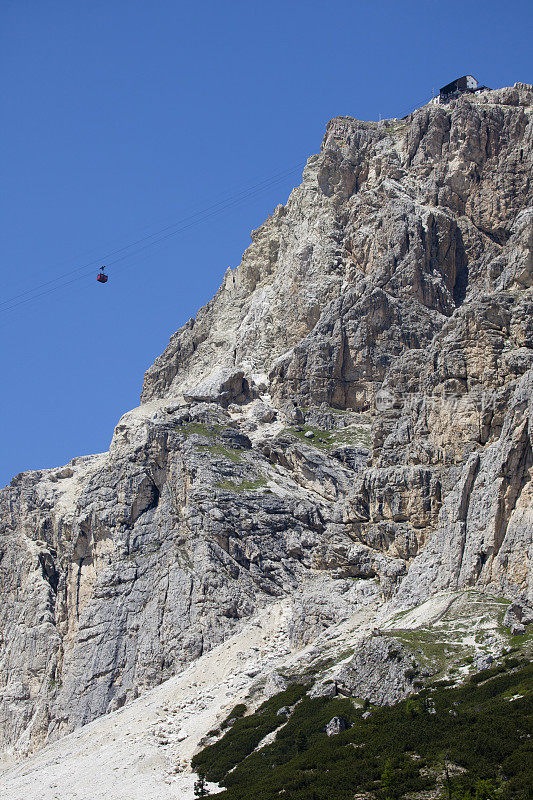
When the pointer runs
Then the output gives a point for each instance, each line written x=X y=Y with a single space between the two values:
x=499 y=236
x=156 y=494
x=49 y=571
x=462 y=511
x=78 y=582
x=508 y=504
x=461 y=270
x=468 y=485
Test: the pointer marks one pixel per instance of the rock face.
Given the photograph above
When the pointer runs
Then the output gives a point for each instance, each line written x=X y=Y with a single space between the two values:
x=381 y=670
x=349 y=421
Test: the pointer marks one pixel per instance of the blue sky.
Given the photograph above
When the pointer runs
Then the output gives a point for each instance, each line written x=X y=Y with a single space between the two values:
x=122 y=117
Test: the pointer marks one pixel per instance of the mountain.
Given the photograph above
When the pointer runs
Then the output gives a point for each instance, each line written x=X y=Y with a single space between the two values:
x=342 y=434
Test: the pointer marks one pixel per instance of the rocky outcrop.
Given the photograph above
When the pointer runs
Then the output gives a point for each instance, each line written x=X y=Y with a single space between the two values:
x=348 y=422
x=517 y=617
x=335 y=726
x=382 y=671
x=223 y=386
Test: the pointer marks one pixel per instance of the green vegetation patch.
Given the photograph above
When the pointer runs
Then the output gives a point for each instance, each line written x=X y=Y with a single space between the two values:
x=436 y=649
x=244 y=486
x=396 y=127
x=447 y=647
x=227 y=452
x=358 y=435
x=210 y=432
x=216 y=760
x=200 y=429
x=522 y=642
x=472 y=742
x=236 y=712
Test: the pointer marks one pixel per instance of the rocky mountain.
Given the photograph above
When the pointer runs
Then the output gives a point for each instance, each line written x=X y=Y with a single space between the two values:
x=344 y=432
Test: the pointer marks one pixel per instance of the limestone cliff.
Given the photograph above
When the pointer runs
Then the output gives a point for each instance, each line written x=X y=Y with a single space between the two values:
x=348 y=423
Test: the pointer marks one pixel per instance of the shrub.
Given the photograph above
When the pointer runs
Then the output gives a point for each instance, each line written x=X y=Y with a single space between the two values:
x=474 y=725
x=216 y=760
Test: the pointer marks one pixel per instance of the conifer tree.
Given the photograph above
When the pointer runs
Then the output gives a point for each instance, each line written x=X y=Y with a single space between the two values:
x=389 y=789
x=200 y=788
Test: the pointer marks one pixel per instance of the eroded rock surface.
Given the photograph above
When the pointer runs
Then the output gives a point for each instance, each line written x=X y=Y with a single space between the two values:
x=348 y=422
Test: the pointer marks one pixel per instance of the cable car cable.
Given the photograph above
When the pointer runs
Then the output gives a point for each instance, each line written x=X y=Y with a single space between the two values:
x=230 y=201
x=150 y=244
x=266 y=183
x=195 y=219
x=185 y=227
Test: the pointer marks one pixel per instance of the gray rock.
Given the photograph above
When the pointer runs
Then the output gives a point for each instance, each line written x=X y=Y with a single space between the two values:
x=397 y=282
x=291 y=413
x=517 y=616
x=222 y=386
x=263 y=413
x=382 y=670
x=483 y=662
x=517 y=629
x=335 y=726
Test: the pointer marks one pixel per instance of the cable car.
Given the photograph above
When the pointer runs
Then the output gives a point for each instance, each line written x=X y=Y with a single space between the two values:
x=102 y=277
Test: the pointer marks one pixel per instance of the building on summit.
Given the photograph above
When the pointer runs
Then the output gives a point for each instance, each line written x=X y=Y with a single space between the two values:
x=460 y=85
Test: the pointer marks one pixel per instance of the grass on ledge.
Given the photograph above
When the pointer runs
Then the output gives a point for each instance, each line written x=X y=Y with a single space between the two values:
x=210 y=432
x=244 y=486
x=354 y=435
x=226 y=452
x=200 y=429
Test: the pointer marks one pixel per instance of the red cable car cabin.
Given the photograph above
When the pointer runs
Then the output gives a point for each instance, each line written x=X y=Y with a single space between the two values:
x=102 y=277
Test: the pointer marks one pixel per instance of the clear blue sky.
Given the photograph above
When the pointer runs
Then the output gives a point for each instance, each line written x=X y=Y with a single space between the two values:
x=121 y=117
